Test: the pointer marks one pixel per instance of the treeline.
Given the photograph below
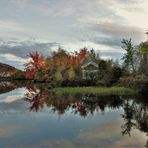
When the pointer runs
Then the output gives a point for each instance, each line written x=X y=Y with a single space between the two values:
x=135 y=60
x=135 y=63
x=64 y=68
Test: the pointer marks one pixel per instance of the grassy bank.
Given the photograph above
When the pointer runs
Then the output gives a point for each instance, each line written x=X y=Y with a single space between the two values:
x=96 y=90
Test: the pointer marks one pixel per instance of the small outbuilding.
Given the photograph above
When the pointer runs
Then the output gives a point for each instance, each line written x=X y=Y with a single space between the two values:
x=90 y=69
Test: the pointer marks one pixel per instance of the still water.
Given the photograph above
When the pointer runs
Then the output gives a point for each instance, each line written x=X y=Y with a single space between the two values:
x=33 y=116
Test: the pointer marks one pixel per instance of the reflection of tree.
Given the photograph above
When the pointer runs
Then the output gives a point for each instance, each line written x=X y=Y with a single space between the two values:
x=135 y=113
x=128 y=117
x=142 y=117
x=135 y=110
x=35 y=97
x=135 y=116
x=6 y=86
x=146 y=144
x=78 y=104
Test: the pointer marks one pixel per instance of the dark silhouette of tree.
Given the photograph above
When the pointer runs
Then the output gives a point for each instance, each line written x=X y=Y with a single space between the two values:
x=128 y=58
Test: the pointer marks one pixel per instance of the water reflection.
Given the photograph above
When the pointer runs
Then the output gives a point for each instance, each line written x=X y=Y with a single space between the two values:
x=135 y=117
x=134 y=112
x=7 y=86
x=78 y=104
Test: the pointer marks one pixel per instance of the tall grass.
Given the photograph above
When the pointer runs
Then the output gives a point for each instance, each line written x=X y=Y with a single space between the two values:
x=96 y=90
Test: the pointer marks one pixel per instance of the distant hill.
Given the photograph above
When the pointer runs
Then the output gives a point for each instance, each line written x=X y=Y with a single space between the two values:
x=9 y=71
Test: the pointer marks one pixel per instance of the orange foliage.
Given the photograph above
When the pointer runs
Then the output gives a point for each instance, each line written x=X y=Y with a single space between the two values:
x=60 y=59
x=37 y=63
x=75 y=60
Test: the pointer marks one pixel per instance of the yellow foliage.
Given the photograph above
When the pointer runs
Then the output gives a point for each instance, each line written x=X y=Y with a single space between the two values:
x=58 y=75
x=71 y=74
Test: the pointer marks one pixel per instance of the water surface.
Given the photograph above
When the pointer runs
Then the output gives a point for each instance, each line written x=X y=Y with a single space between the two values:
x=33 y=116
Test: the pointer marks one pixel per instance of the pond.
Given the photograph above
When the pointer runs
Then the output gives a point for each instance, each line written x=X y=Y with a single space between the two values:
x=34 y=116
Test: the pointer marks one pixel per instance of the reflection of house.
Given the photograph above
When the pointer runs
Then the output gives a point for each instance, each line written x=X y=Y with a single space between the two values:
x=89 y=69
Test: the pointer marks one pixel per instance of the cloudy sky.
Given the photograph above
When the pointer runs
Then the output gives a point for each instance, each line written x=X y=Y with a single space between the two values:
x=45 y=25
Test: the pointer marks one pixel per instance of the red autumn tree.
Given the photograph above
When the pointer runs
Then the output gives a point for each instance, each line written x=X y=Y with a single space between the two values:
x=61 y=60
x=34 y=65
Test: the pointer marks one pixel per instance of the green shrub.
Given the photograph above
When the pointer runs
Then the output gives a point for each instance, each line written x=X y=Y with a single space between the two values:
x=133 y=82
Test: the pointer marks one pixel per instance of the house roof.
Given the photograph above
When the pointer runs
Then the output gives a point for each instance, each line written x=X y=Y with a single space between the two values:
x=89 y=63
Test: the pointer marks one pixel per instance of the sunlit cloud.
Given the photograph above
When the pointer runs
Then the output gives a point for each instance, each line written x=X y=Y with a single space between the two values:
x=13 y=58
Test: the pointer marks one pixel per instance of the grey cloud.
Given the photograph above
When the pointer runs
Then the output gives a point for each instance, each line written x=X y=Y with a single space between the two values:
x=117 y=29
x=21 y=49
x=113 y=42
x=58 y=20
x=64 y=21
x=115 y=33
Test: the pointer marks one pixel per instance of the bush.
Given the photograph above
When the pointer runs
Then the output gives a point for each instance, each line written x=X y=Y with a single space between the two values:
x=115 y=75
x=138 y=82
x=144 y=88
x=77 y=82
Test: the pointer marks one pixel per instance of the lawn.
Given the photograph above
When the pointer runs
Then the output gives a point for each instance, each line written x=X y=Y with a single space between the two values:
x=96 y=90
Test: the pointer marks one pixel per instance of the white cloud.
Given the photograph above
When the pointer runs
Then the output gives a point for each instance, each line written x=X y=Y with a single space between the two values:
x=13 y=29
x=13 y=58
x=10 y=26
